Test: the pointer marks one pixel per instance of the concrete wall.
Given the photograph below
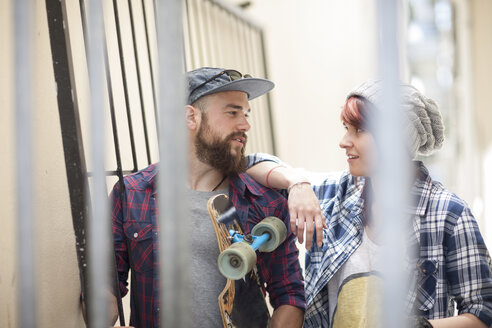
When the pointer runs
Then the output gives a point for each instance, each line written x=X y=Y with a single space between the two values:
x=56 y=266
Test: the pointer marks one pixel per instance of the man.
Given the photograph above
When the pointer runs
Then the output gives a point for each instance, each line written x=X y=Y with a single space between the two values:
x=217 y=121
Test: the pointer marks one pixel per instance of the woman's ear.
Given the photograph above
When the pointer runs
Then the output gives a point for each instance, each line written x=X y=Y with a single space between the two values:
x=192 y=117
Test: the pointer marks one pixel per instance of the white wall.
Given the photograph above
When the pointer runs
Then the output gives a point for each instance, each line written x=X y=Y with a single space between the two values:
x=317 y=51
x=8 y=297
x=481 y=50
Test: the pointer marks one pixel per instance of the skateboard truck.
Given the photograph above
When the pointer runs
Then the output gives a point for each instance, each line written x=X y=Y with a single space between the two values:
x=240 y=258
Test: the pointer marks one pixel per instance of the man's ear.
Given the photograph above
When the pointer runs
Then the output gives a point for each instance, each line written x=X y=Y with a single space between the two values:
x=192 y=117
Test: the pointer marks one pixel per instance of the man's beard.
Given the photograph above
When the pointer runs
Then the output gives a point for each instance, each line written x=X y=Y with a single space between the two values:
x=217 y=153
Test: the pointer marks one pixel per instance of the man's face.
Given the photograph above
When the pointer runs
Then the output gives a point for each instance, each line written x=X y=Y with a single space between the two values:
x=221 y=136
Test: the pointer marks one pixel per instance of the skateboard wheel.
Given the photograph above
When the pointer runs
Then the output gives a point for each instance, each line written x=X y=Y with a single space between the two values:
x=275 y=228
x=237 y=260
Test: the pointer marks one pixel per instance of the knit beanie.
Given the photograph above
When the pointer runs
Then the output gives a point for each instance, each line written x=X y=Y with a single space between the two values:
x=425 y=126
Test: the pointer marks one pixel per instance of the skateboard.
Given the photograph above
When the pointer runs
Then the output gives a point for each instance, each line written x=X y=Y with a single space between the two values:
x=242 y=301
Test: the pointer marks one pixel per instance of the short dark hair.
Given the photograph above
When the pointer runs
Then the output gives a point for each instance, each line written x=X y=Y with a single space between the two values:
x=201 y=103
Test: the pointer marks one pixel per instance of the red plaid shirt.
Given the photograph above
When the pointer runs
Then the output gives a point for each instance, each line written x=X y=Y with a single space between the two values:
x=135 y=225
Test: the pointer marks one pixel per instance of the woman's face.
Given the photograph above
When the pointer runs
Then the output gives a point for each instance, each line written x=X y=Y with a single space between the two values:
x=359 y=148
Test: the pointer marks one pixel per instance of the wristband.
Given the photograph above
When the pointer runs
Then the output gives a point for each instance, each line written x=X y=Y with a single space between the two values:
x=270 y=172
x=295 y=183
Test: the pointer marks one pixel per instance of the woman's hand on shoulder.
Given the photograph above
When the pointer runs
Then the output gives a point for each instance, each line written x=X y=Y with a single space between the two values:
x=305 y=214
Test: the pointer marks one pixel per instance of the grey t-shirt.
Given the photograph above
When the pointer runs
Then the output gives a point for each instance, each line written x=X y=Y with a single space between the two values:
x=207 y=282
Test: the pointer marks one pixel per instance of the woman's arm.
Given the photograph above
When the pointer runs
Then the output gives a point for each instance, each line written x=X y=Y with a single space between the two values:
x=304 y=209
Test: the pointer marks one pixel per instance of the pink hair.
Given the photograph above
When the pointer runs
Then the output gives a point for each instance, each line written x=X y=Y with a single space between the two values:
x=354 y=112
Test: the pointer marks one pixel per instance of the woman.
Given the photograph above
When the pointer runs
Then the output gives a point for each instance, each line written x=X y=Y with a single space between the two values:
x=451 y=265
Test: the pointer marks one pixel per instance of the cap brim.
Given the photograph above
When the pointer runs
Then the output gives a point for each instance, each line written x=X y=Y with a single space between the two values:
x=254 y=87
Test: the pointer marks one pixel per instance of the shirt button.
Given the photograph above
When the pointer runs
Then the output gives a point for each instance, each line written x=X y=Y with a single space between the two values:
x=424 y=270
x=135 y=235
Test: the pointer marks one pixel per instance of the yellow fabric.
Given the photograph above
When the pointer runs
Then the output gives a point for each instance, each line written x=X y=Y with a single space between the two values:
x=359 y=303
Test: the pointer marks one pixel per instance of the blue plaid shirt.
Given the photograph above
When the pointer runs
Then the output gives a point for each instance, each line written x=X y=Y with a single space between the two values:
x=452 y=266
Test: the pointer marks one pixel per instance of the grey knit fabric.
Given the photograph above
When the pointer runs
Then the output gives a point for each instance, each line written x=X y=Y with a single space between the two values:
x=425 y=125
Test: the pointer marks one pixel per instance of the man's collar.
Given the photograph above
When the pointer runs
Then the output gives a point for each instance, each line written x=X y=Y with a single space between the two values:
x=240 y=181
x=243 y=182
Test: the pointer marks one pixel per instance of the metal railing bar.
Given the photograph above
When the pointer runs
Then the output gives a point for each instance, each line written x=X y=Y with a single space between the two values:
x=248 y=69
x=202 y=44
x=257 y=113
x=208 y=34
x=253 y=54
x=99 y=225
x=118 y=160
x=215 y=21
x=112 y=172
x=242 y=59
x=191 y=13
x=237 y=12
x=151 y=65
x=139 y=79
x=127 y=100
x=73 y=149
x=174 y=288
x=186 y=37
x=83 y=18
x=234 y=52
x=393 y=168
x=23 y=13
x=268 y=95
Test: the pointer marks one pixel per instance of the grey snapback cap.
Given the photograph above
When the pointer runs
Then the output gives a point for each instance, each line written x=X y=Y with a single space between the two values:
x=208 y=80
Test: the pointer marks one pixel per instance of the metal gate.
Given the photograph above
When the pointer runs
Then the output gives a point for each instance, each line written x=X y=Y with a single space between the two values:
x=121 y=73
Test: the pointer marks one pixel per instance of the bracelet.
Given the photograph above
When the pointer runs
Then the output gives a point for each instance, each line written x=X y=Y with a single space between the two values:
x=301 y=180
x=270 y=172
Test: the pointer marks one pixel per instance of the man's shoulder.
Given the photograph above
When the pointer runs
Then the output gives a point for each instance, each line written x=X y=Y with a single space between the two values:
x=245 y=185
x=141 y=179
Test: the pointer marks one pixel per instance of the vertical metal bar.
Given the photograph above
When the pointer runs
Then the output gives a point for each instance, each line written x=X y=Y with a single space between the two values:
x=393 y=168
x=99 y=225
x=189 y=9
x=127 y=100
x=23 y=12
x=174 y=286
x=116 y=141
x=139 y=78
x=252 y=69
x=73 y=148
x=208 y=35
x=268 y=97
x=151 y=64
x=204 y=45
x=193 y=22
x=255 y=47
x=216 y=19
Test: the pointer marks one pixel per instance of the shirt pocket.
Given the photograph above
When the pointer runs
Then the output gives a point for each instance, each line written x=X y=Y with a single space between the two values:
x=426 y=284
x=139 y=236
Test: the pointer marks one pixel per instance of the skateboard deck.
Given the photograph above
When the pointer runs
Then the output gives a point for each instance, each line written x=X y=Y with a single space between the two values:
x=242 y=302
